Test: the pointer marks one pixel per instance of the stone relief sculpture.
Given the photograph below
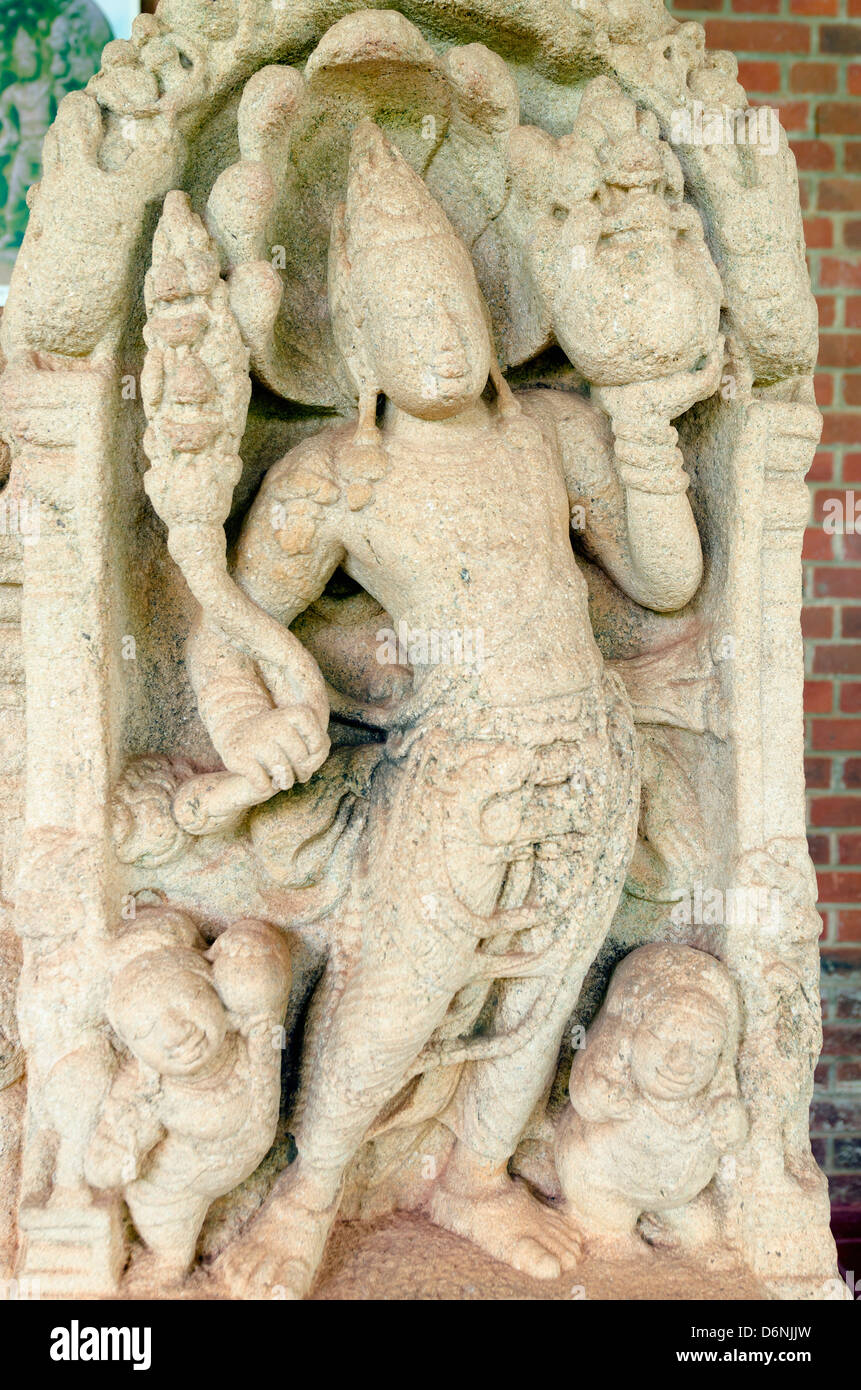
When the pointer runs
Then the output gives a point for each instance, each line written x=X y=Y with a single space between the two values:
x=194 y=1110
x=424 y=483
x=654 y=1100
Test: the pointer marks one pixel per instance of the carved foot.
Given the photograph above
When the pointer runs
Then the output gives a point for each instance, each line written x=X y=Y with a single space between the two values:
x=608 y=1229
x=278 y=1255
x=676 y=1235
x=616 y=1247
x=512 y=1226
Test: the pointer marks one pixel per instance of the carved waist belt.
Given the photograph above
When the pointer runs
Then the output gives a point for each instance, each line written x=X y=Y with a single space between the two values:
x=561 y=719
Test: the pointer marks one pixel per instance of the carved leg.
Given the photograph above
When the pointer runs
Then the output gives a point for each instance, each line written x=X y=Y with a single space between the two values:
x=693 y=1229
x=476 y=1198
x=608 y=1222
x=357 y=1060
x=170 y=1227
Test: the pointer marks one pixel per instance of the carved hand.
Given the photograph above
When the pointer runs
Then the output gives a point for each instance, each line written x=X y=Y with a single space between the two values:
x=277 y=748
x=664 y=398
x=111 y=1160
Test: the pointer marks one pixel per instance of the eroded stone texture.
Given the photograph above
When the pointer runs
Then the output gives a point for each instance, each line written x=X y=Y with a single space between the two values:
x=418 y=429
x=654 y=1102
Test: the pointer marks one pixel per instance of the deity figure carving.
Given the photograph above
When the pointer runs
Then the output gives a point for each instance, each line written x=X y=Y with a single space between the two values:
x=434 y=472
x=525 y=788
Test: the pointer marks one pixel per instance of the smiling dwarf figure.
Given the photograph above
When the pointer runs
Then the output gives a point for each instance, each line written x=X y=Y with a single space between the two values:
x=193 y=1110
x=654 y=1100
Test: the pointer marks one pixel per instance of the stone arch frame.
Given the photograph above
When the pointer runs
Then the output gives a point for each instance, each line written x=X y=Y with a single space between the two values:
x=70 y=342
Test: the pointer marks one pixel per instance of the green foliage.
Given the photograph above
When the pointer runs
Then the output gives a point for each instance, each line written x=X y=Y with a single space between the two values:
x=47 y=48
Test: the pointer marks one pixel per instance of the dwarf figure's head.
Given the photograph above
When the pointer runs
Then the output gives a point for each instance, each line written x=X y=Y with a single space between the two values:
x=172 y=1003
x=674 y=1014
x=164 y=1007
x=677 y=1050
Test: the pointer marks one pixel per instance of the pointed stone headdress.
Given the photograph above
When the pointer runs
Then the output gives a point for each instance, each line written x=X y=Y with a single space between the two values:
x=388 y=229
x=388 y=205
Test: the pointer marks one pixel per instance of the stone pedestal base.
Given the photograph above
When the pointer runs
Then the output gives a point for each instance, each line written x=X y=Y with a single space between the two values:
x=73 y=1251
x=405 y=1257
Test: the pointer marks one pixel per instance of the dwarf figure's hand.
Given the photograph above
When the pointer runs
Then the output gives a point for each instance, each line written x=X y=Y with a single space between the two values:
x=251 y=972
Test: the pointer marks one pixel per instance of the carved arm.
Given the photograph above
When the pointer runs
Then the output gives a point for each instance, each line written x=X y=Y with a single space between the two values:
x=127 y=1132
x=627 y=477
x=285 y=557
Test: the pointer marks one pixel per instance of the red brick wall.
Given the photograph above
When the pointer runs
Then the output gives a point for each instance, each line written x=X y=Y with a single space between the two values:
x=804 y=57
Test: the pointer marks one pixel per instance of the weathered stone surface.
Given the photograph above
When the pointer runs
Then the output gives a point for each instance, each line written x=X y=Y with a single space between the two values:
x=416 y=407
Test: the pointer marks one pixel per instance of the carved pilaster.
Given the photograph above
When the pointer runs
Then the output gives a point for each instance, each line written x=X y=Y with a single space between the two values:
x=64 y=427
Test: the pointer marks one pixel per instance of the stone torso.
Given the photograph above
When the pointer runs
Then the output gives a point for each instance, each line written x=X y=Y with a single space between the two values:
x=492 y=510
x=215 y=1136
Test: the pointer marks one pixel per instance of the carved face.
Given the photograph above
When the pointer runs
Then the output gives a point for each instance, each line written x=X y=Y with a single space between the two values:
x=412 y=287
x=678 y=1046
x=428 y=338
x=177 y=1029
